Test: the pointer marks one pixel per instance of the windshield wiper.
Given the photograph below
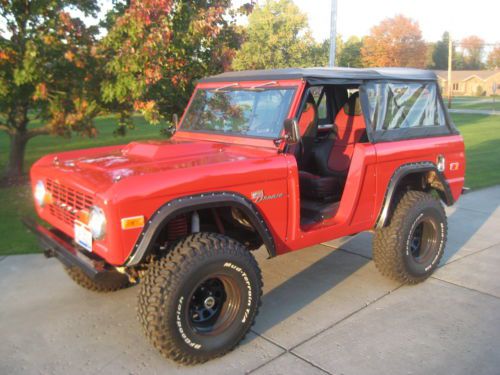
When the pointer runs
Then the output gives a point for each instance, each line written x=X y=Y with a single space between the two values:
x=258 y=87
x=262 y=85
x=225 y=87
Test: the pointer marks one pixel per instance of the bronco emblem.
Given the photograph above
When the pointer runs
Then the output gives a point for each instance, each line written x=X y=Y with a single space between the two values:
x=258 y=196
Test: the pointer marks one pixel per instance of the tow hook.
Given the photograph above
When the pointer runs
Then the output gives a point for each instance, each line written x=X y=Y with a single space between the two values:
x=131 y=278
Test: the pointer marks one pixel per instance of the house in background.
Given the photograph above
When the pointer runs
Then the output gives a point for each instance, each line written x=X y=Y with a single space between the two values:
x=470 y=82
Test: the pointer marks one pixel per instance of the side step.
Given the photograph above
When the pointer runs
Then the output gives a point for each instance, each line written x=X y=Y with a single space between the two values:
x=317 y=211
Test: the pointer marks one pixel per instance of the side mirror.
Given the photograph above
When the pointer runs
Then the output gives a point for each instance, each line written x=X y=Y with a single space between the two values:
x=292 y=131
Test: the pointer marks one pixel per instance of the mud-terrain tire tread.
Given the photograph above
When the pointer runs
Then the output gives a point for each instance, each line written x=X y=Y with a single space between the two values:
x=102 y=286
x=158 y=285
x=388 y=241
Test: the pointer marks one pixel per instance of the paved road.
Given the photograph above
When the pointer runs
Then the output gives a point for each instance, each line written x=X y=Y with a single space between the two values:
x=326 y=310
x=474 y=111
x=469 y=101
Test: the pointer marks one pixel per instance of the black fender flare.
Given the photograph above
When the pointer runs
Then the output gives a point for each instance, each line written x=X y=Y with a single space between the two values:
x=405 y=170
x=196 y=202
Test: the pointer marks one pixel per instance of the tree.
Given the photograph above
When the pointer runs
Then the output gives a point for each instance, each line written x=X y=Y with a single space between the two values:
x=429 y=53
x=494 y=58
x=278 y=36
x=119 y=7
x=458 y=61
x=473 y=48
x=47 y=65
x=320 y=53
x=350 y=55
x=157 y=48
x=440 y=54
x=394 y=42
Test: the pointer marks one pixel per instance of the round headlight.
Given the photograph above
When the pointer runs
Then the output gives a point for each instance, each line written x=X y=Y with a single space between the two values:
x=97 y=223
x=40 y=193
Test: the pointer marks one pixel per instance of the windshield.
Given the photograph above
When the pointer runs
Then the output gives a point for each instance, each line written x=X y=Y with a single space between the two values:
x=258 y=112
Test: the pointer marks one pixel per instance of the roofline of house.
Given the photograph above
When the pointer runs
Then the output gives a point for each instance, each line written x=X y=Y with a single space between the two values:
x=496 y=71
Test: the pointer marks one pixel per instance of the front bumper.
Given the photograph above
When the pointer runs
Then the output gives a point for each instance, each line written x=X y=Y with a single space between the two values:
x=57 y=244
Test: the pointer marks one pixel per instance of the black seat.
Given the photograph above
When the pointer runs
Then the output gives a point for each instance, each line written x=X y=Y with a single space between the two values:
x=324 y=188
x=308 y=126
x=308 y=151
x=323 y=178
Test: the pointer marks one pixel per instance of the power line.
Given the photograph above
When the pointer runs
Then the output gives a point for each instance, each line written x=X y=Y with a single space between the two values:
x=470 y=44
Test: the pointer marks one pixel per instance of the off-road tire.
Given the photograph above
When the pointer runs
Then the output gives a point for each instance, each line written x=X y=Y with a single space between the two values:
x=393 y=244
x=109 y=282
x=169 y=289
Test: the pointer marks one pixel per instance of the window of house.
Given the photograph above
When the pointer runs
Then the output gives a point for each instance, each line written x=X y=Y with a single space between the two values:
x=455 y=87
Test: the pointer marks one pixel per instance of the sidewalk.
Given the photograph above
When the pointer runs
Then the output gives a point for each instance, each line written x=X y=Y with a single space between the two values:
x=475 y=111
x=325 y=310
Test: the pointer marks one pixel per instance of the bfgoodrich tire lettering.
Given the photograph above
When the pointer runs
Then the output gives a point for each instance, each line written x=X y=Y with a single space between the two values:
x=199 y=301
x=410 y=247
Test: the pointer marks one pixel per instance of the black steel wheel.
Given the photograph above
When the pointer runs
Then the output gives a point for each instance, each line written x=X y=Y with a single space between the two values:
x=423 y=241
x=214 y=305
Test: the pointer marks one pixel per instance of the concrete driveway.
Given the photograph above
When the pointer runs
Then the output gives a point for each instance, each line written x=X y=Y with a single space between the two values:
x=326 y=310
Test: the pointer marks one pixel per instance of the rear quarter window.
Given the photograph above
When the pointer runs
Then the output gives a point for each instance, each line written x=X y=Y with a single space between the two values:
x=404 y=110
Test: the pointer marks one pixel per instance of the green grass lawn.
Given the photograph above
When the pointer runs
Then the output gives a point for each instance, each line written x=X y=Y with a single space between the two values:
x=17 y=202
x=482 y=143
x=105 y=125
x=481 y=134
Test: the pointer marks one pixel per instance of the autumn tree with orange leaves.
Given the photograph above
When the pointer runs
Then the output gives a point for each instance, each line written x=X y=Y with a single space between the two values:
x=494 y=58
x=395 y=42
x=473 y=49
x=47 y=73
x=158 y=48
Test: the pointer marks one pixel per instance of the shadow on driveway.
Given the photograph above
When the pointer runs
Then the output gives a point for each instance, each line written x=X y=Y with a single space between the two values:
x=306 y=291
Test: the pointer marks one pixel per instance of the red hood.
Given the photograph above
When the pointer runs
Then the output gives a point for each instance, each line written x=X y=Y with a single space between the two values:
x=97 y=169
x=139 y=158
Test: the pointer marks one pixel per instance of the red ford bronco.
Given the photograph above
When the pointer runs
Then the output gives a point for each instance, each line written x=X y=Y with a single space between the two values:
x=283 y=159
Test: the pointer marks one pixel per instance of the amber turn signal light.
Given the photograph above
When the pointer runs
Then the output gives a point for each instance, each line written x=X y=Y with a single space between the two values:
x=132 y=222
x=83 y=216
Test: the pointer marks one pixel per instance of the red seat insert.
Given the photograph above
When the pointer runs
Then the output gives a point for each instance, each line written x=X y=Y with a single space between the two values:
x=351 y=128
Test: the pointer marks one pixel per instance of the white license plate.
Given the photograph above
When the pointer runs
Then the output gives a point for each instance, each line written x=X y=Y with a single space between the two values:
x=83 y=236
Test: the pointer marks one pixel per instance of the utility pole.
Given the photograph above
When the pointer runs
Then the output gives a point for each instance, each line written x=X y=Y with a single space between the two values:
x=450 y=57
x=333 y=33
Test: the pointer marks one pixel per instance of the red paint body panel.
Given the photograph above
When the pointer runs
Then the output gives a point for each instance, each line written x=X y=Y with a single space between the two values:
x=138 y=178
x=153 y=175
x=356 y=212
x=391 y=155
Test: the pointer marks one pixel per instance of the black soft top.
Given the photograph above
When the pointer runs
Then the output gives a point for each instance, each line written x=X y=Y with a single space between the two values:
x=326 y=75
